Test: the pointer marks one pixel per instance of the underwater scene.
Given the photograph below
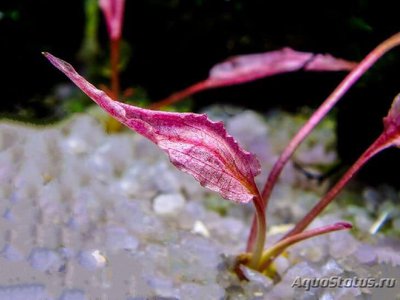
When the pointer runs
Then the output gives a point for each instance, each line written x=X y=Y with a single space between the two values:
x=199 y=150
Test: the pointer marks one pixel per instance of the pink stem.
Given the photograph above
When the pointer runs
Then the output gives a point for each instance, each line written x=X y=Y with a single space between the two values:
x=320 y=113
x=259 y=234
x=269 y=255
x=115 y=57
x=325 y=107
x=252 y=235
x=180 y=95
x=380 y=144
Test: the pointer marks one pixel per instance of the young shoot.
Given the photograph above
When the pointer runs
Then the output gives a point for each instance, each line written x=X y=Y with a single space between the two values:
x=113 y=11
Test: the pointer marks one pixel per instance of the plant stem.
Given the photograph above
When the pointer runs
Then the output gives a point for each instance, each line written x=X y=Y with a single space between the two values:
x=259 y=236
x=271 y=253
x=180 y=95
x=320 y=113
x=380 y=143
x=114 y=60
x=252 y=235
x=325 y=107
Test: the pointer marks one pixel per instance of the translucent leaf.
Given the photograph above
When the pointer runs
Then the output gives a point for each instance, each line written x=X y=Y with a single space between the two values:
x=193 y=143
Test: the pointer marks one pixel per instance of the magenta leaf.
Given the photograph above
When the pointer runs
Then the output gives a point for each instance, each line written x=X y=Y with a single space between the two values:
x=193 y=143
x=249 y=67
x=246 y=68
x=114 y=13
x=326 y=62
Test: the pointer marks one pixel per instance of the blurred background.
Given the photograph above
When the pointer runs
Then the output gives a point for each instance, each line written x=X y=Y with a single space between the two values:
x=171 y=44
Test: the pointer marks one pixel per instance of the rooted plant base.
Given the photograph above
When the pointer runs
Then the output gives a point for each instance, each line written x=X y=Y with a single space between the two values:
x=87 y=215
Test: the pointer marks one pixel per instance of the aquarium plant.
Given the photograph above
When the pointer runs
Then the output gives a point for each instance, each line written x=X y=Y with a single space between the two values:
x=113 y=11
x=203 y=148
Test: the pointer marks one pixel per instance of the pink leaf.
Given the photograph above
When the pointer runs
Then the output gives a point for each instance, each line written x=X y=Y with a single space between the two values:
x=193 y=143
x=249 y=67
x=326 y=62
x=246 y=68
x=114 y=12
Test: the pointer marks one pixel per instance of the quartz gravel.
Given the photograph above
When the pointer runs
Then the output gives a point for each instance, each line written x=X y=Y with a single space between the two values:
x=87 y=215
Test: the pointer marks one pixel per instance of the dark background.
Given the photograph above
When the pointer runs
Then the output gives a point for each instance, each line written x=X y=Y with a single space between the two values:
x=174 y=43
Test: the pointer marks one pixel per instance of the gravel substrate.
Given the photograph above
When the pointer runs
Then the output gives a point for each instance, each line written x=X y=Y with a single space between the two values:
x=87 y=215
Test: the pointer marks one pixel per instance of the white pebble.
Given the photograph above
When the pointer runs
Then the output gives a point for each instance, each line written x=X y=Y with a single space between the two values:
x=201 y=229
x=167 y=204
x=24 y=292
x=342 y=244
x=255 y=276
x=365 y=254
x=43 y=259
x=119 y=238
x=92 y=259
x=11 y=253
x=74 y=294
x=331 y=268
x=163 y=287
x=281 y=264
x=195 y=291
x=76 y=145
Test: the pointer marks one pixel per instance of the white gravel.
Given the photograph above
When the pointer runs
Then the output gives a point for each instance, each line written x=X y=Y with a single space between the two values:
x=86 y=215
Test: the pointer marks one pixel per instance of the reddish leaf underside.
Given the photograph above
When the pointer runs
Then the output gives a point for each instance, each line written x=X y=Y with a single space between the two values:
x=193 y=143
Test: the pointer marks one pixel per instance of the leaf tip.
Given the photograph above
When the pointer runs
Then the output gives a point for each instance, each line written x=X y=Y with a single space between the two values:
x=344 y=225
x=49 y=56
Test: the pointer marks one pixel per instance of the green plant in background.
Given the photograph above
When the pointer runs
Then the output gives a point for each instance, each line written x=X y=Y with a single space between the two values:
x=90 y=45
x=113 y=11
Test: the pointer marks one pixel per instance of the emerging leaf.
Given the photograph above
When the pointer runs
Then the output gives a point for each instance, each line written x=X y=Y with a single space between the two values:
x=392 y=122
x=193 y=143
x=393 y=117
x=245 y=68
x=114 y=12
